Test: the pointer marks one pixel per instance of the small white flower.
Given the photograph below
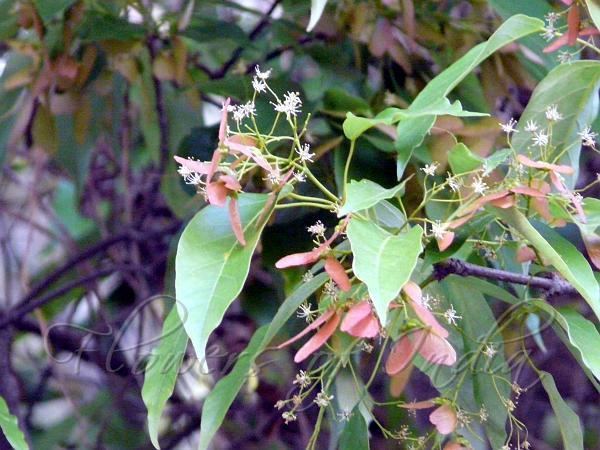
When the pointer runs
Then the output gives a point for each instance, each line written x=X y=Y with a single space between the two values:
x=288 y=417
x=317 y=229
x=249 y=108
x=305 y=154
x=526 y=445
x=451 y=316
x=429 y=302
x=304 y=312
x=490 y=351
x=331 y=289
x=564 y=57
x=366 y=347
x=588 y=137
x=430 y=169
x=290 y=106
x=551 y=17
x=259 y=85
x=509 y=127
x=184 y=171
x=300 y=177
x=302 y=379
x=531 y=126
x=517 y=389
x=280 y=404
x=483 y=415
x=540 y=139
x=552 y=113
x=322 y=400
x=479 y=186
x=402 y=434
x=273 y=177
x=453 y=183
x=308 y=275
x=549 y=32
x=462 y=418
x=344 y=416
x=510 y=405
x=262 y=75
x=194 y=179
x=240 y=112
x=438 y=229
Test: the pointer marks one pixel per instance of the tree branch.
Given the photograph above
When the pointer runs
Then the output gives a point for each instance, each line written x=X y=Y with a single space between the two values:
x=237 y=53
x=163 y=124
x=553 y=285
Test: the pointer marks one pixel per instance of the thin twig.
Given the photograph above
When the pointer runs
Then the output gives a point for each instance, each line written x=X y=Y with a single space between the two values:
x=163 y=123
x=553 y=285
x=237 y=53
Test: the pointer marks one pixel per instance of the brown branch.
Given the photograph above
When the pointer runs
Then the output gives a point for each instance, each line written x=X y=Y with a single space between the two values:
x=90 y=252
x=237 y=53
x=16 y=313
x=163 y=123
x=552 y=285
x=304 y=40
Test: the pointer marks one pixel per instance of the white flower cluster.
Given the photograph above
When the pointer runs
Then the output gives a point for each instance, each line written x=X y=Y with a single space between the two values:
x=430 y=169
x=240 y=112
x=290 y=106
x=189 y=176
x=259 y=82
x=588 y=137
x=322 y=400
x=317 y=229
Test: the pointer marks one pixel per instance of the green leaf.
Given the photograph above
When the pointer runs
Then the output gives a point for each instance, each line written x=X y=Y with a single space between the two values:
x=378 y=254
x=570 y=427
x=584 y=336
x=574 y=89
x=316 y=11
x=162 y=370
x=590 y=231
x=223 y=394
x=582 y=333
x=8 y=23
x=354 y=126
x=594 y=10
x=211 y=266
x=440 y=107
x=463 y=160
x=337 y=99
x=497 y=158
x=387 y=216
x=99 y=27
x=206 y=29
x=559 y=252
x=10 y=427
x=412 y=132
x=365 y=193
x=48 y=10
x=479 y=325
x=355 y=435
x=535 y=43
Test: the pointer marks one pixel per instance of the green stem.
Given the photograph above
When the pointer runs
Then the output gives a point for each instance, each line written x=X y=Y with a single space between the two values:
x=347 y=167
x=307 y=204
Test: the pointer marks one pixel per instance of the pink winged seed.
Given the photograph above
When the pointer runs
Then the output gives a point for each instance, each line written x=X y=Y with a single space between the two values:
x=444 y=418
x=337 y=273
x=317 y=341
